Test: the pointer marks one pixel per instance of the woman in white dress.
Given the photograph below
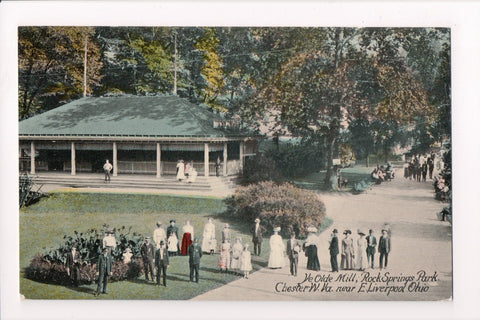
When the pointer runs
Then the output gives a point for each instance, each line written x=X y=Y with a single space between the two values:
x=246 y=262
x=192 y=174
x=209 y=243
x=277 y=247
x=237 y=250
x=180 y=170
x=362 y=259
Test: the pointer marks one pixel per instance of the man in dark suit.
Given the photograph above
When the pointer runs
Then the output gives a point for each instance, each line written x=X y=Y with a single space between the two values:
x=161 y=262
x=195 y=254
x=257 y=237
x=334 y=251
x=147 y=250
x=293 y=248
x=371 y=248
x=172 y=228
x=104 y=270
x=72 y=265
x=384 y=248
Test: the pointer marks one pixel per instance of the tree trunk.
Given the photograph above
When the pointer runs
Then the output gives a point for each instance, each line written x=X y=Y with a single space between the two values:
x=330 y=145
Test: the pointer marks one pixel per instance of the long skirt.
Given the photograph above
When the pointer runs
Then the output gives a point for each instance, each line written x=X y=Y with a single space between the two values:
x=186 y=242
x=224 y=260
x=312 y=258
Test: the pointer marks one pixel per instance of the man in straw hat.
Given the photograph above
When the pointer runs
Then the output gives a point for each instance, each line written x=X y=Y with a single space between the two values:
x=257 y=237
x=147 y=250
x=334 y=251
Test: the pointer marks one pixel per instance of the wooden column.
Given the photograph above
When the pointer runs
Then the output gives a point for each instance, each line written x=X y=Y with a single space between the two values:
x=206 y=160
x=115 y=168
x=225 y=159
x=32 y=157
x=159 y=159
x=73 y=167
x=242 y=157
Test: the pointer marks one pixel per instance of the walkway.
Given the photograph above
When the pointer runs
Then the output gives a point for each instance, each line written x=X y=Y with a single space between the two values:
x=419 y=242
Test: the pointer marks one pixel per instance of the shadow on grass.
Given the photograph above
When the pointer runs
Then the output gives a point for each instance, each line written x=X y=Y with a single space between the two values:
x=87 y=290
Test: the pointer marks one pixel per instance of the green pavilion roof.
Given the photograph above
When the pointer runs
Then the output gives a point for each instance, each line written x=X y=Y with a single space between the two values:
x=127 y=115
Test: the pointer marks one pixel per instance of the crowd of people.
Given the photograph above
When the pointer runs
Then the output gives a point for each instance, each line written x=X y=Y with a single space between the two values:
x=156 y=251
x=419 y=167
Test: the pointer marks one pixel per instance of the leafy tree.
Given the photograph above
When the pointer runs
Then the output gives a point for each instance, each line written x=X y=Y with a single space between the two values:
x=51 y=66
x=212 y=69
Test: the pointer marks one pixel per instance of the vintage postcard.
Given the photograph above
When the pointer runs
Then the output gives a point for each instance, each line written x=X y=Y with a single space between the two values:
x=215 y=162
x=235 y=163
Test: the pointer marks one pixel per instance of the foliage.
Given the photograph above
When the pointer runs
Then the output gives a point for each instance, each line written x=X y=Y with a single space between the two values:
x=51 y=66
x=89 y=245
x=27 y=195
x=260 y=168
x=286 y=161
x=42 y=269
x=49 y=267
x=282 y=205
x=212 y=71
x=347 y=155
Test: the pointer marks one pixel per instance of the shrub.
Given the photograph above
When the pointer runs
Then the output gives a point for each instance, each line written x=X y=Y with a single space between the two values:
x=289 y=160
x=282 y=205
x=43 y=270
x=49 y=267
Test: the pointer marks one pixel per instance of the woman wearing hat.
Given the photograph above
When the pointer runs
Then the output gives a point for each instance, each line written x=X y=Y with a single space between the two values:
x=362 y=259
x=277 y=247
x=180 y=170
x=348 y=251
x=311 y=249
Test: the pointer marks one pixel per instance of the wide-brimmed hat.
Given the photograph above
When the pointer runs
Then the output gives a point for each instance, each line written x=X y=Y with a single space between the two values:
x=335 y=231
x=360 y=232
x=173 y=220
x=159 y=223
x=384 y=230
x=277 y=229
x=312 y=229
x=347 y=232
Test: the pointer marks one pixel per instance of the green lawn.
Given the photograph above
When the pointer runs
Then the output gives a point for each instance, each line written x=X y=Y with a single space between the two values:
x=354 y=175
x=43 y=225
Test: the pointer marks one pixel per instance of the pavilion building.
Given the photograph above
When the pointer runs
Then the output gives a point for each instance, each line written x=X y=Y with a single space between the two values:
x=137 y=134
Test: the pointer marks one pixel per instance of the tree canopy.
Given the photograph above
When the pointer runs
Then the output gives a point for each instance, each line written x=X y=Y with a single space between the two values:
x=312 y=83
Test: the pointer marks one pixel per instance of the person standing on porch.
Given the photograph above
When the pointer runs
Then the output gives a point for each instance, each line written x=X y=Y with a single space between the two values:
x=180 y=170
x=107 y=167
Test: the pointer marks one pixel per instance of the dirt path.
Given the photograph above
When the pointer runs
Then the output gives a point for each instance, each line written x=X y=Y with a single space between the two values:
x=419 y=242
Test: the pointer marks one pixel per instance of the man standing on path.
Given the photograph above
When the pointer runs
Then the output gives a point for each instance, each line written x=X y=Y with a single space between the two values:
x=107 y=167
x=147 y=250
x=104 y=270
x=334 y=251
x=161 y=262
x=371 y=248
x=384 y=248
x=195 y=254
x=257 y=237
x=293 y=248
